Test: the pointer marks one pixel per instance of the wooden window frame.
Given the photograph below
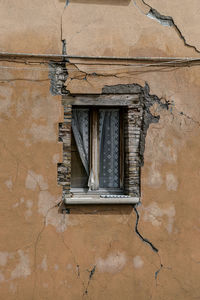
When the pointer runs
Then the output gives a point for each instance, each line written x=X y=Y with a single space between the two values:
x=131 y=165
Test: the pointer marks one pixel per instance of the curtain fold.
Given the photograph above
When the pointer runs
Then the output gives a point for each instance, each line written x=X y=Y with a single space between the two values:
x=80 y=127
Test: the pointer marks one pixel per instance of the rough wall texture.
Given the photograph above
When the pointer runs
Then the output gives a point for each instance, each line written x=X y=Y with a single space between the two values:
x=95 y=252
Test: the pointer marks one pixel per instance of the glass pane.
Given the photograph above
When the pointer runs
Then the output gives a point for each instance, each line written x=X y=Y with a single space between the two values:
x=80 y=148
x=109 y=131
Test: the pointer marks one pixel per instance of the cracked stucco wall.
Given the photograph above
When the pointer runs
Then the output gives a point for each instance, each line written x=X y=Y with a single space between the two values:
x=94 y=252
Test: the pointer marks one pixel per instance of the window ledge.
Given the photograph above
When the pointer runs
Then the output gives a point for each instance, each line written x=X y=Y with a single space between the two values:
x=101 y=200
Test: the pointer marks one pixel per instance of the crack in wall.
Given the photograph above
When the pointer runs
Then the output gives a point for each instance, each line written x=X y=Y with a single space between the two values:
x=145 y=240
x=157 y=272
x=91 y=274
x=188 y=117
x=155 y=249
x=58 y=74
x=64 y=49
x=78 y=269
x=140 y=119
x=36 y=245
x=165 y=21
x=148 y=118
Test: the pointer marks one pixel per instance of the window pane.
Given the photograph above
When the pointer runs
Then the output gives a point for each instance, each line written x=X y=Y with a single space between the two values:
x=109 y=129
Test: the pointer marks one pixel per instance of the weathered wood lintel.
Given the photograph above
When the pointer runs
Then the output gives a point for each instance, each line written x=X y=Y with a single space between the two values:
x=105 y=100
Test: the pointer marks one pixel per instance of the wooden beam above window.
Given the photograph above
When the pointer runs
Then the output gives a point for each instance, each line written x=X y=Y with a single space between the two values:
x=104 y=100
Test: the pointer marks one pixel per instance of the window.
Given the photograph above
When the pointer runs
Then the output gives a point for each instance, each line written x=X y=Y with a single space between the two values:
x=101 y=149
x=97 y=150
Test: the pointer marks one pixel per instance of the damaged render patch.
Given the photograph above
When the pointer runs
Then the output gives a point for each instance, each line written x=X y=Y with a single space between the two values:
x=138 y=262
x=23 y=267
x=33 y=180
x=171 y=182
x=154 y=214
x=163 y=20
x=112 y=264
x=147 y=101
x=47 y=206
x=58 y=75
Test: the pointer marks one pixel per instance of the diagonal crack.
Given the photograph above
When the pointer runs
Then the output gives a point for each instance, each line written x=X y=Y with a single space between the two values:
x=189 y=118
x=91 y=274
x=172 y=105
x=165 y=21
x=139 y=234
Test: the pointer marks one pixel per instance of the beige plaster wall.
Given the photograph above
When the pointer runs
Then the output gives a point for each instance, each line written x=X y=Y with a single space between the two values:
x=94 y=252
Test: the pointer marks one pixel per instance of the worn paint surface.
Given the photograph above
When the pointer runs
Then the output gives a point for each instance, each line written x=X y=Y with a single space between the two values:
x=94 y=252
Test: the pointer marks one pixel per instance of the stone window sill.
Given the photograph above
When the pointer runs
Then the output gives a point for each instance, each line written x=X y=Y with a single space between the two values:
x=101 y=200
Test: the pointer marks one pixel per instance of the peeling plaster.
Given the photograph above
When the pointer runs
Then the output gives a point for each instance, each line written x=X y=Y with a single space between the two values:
x=163 y=20
x=9 y=183
x=28 y=212
x=23 y=267
x=154 y=178
x=47 y=207
x=138 y=262
x=154 y=214
x=114 y=263
x=171 y=182
x=33 y=179
x=44 y=265
x=17 y=204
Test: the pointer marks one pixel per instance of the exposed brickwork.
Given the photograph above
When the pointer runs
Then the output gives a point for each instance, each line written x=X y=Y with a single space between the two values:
x=132 y=131
x=58 y=75
x=64 y=169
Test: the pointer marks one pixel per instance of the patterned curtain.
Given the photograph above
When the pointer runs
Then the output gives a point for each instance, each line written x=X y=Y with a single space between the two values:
x=109 y=142
x=109 y=125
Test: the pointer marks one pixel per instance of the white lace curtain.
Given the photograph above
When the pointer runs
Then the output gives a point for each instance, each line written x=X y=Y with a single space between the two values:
x=80 y=127
x=108 y=141
x=109 y=148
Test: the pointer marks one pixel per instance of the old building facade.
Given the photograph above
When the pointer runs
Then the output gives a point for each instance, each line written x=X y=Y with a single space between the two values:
x=143 y=59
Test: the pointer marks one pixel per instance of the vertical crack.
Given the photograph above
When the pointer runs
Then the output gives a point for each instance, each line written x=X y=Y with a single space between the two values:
x=64 y=50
